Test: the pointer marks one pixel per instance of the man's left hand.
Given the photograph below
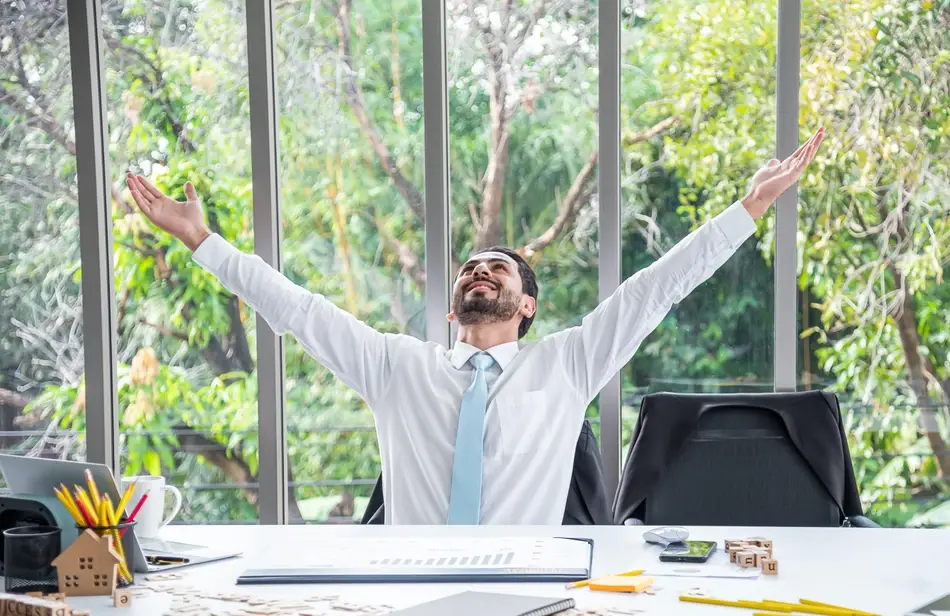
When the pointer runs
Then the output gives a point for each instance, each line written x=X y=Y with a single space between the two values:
x=776 y=177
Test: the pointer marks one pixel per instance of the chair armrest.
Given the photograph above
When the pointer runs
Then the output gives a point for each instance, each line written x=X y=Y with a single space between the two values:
x=860 y=521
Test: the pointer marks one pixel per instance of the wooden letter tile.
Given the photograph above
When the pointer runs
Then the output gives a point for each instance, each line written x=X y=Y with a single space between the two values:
x=769 y=566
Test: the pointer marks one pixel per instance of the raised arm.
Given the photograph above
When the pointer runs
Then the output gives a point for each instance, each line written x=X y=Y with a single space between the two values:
x=609 y=336
x=353 y=351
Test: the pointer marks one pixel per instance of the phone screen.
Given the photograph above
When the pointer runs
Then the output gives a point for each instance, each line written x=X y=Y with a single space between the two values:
x=689 y=550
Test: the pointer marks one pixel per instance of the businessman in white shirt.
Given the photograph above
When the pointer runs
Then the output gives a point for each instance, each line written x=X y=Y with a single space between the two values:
x=484 y=432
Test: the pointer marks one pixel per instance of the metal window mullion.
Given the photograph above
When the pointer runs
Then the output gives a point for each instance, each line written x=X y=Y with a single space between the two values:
x=95 y=232
x=436 y=121
x=273 y=485
x=608 y=194
x=786 y=208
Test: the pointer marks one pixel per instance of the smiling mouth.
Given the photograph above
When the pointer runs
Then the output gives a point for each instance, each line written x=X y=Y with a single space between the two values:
x=483 y=286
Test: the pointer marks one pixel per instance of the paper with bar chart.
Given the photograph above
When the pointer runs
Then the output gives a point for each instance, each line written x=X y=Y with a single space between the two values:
x=434 y=559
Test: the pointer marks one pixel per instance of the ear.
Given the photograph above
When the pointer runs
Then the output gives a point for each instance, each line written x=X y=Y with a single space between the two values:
x=529 y=306
x=450 y=316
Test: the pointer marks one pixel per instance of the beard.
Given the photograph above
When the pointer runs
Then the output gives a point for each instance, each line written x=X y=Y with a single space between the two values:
x=478 y=309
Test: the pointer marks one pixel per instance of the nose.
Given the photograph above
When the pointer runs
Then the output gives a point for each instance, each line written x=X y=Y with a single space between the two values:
x=481 y=270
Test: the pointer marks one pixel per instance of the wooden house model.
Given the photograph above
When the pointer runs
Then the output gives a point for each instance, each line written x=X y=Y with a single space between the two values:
x=89 y=566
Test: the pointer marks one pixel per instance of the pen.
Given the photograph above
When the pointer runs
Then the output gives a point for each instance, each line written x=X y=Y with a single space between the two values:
x=166 y=560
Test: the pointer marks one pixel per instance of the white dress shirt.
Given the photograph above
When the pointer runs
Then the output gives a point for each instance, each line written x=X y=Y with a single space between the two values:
x=537 y=393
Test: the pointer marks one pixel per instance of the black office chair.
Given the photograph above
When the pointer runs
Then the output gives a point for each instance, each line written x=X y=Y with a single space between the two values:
x=587 y=501
x=776 y=459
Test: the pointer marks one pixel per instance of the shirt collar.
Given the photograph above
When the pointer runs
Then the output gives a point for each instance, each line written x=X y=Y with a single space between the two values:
x=503 y=354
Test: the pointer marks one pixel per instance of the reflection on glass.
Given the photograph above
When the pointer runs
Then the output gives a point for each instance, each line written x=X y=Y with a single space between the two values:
x=873 y=230
x=42 y=404
x=697 y=120
x=351 y=145
x=176 y=82
x=522 y=81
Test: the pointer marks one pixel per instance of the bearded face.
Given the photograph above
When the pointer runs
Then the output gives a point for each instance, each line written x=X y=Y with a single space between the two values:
x=487 y=290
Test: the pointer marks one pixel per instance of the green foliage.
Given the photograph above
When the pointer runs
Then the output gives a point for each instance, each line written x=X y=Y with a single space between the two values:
x=873 y=216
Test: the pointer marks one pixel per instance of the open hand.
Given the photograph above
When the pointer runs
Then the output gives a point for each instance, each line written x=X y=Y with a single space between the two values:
x=183 y=219
x=776 y=177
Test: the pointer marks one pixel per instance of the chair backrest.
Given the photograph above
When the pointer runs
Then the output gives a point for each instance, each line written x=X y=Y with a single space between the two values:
x=737 y=466
x=587 y=501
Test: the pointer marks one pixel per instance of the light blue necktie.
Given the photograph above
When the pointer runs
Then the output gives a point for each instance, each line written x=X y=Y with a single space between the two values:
x=465 y=498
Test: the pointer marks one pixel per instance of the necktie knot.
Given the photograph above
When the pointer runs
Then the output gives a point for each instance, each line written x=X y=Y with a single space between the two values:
x=482 y=361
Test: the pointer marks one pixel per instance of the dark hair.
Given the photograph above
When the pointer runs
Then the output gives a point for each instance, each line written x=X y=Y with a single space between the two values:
x=529 y=284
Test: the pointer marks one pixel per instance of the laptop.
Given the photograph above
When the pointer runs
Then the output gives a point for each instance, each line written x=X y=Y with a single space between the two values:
x=26 y=476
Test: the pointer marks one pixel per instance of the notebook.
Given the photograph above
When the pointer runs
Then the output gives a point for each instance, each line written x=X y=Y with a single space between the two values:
x=472 y=603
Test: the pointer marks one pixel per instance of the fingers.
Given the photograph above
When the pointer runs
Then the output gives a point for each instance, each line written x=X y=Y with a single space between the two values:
x=190 y=193
x=148 y=188
x=140 y=199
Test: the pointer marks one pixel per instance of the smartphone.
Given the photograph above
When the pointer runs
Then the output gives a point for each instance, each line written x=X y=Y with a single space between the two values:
x=688 y=552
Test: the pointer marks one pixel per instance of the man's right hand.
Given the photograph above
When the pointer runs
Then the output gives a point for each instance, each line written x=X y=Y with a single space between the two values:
x=183 y=219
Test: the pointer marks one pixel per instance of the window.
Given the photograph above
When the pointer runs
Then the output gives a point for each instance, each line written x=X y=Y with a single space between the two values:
x=698 y=119
x=41 y=334
x=522 y=80
x=872 y=229
x=176 y=80
x=351 y=159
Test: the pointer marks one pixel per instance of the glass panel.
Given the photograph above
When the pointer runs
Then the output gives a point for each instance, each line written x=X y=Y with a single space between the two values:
x=522 y=79
x=874 y=228
x=176 y=77
x=698 y=119
x=41 y=334
x=351 y=146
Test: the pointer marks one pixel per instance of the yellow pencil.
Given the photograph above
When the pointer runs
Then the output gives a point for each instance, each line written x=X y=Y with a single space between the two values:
x=111 y=517
x=70 y=507
x=93 y=490
x=124 y=501
x=808 y=609
x=774 y=606
x=582 y=583
x=836 y=607
x=93 y=511
x=767 y=613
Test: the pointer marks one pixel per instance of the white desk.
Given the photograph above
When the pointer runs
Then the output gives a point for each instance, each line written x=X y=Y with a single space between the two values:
x=887 y=571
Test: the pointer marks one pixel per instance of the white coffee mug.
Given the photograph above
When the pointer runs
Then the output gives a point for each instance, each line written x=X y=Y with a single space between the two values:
x=150 y=519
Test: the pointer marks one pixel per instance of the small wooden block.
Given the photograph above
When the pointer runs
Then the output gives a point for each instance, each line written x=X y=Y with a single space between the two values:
x=759 y=556
x=57 y=596
x=745 y=559
x=769 y=566
x=34 y=594
x=121 y=598
x=764 y=543
x=621 y=583
x=733 y=554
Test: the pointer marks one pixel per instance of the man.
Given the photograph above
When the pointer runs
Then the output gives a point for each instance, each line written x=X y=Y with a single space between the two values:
x=483 y=433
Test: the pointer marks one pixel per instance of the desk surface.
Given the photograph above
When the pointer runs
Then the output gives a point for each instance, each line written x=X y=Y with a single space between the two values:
x=887 y=571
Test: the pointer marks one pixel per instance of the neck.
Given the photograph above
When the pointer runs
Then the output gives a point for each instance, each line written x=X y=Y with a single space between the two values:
x=487 y=336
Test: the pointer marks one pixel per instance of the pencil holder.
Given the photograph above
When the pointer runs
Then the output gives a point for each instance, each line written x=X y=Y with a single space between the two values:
x=29 y=552
x=123 y=538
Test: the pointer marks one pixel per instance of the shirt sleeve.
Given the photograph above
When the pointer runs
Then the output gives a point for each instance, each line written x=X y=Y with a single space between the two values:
x=355 y=352
x=608 y=337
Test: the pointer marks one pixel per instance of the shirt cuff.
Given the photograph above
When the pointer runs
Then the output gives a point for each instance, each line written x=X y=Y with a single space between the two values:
x=212 y=252
x=736 y=224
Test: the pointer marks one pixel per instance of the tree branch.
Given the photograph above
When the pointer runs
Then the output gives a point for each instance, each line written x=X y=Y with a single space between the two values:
x=577 y=195
x=55 y=131
x=231 y=464
x=655 y=130
x=410 y=262
x=11 y=398
x=354 y=98
x=157 y=79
